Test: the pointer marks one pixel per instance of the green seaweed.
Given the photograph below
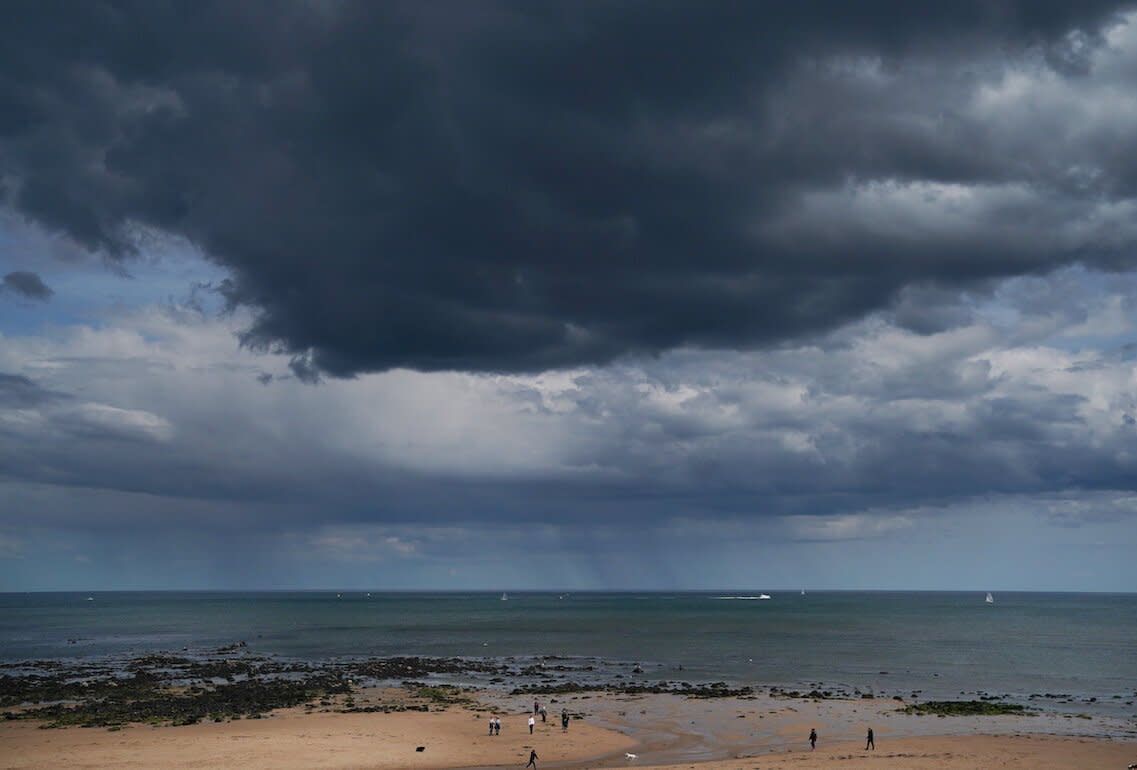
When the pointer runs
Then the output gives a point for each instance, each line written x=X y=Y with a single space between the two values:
x=442 y=695
x=960 y=708
x=151 y=704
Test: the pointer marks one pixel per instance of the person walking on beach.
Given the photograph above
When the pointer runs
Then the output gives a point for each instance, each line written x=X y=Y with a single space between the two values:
x=533 y=759
x=497 y=726
x=812 y=740
x=531 y=722
x=869 y=741
x=491 y=725
x=564 y=720
x=544 y=714
x=536 y=707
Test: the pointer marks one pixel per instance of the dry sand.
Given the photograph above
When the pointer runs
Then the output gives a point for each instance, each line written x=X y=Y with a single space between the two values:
x=661 y=730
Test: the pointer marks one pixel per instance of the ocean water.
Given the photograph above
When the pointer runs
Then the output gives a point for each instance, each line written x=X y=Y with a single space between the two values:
x=1072 y=652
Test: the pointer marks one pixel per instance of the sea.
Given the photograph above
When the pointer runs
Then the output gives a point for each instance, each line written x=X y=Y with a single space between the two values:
x=1064 y=652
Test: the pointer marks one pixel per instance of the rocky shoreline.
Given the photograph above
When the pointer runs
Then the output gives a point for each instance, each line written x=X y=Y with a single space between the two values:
x=230 y=683
x=178 y=690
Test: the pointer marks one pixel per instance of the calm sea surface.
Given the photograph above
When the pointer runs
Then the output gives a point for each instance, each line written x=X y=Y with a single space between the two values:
x=945 y=645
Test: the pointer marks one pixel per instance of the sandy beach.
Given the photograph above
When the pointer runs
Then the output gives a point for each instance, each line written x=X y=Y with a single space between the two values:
x=660 y=730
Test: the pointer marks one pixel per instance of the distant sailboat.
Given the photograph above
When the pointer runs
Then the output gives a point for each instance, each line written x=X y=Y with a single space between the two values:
x=504 y=598
x=990 y=599
x=764 y=596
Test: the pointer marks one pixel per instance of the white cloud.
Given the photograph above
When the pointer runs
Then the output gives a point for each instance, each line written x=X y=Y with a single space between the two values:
x=126 y=422
x=847 y=527
x=354 y=544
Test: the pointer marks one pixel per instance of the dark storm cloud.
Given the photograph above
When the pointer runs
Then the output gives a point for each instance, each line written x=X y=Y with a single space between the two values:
x=518 y=186
x=27 y=285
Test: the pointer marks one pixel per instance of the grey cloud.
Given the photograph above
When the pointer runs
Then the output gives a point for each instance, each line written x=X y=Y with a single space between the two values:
x=304 y=370
x=27 y=284
x=517 y=187
x=927 y=310
x=19 y=392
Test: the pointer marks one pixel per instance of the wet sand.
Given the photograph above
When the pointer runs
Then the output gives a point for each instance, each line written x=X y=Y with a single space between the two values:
x=661 y=730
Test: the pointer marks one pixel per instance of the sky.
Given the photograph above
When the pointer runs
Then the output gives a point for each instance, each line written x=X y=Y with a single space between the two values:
x=568 y=295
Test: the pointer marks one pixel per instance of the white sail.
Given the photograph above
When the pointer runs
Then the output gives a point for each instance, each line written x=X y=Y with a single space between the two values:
x=990 y=599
